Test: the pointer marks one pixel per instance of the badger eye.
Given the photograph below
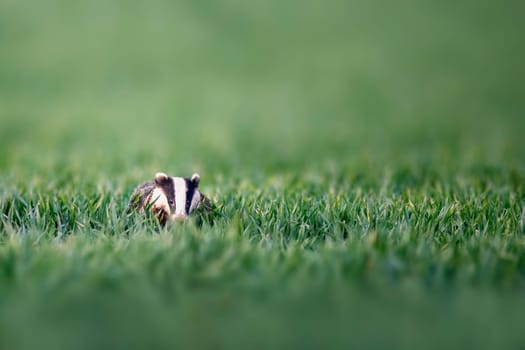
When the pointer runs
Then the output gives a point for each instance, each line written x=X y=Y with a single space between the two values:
x=170 y=202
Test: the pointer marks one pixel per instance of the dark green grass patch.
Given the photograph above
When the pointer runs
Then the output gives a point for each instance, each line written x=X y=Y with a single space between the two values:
x=459 y=231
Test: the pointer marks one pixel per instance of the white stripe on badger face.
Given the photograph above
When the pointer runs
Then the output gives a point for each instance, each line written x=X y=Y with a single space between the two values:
x=195 y=201
x=180 y=198
x=159 y=200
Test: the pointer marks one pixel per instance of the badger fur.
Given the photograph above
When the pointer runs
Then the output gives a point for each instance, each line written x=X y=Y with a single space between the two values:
x=170 y=198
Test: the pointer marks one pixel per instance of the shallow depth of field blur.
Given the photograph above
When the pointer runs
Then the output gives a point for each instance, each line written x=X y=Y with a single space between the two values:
x=367 y=159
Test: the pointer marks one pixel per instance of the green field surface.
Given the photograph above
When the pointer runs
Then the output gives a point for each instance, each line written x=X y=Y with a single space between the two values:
x=366 y=159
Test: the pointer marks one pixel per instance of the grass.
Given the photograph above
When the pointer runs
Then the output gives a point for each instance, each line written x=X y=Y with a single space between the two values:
x=367 y=160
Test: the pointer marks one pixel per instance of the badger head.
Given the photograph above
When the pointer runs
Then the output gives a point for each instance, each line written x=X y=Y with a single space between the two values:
x=174 y=198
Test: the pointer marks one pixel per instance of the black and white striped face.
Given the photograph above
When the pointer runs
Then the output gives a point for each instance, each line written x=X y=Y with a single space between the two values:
x=177 y=197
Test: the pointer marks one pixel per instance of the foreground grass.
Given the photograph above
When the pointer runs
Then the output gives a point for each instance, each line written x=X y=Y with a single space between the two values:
x=312 y=262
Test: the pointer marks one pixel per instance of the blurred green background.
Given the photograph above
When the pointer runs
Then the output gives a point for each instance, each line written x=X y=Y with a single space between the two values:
x=260 y=83
x=395 y=104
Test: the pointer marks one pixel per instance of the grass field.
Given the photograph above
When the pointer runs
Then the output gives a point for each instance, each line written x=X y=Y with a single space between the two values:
x=367 y=160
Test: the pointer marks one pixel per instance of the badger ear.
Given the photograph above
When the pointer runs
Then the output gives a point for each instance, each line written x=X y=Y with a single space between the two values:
x=161 y=178
x=195 y=179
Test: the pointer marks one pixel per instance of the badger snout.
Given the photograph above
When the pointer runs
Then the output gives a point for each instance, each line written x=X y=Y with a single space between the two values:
x=179 y=217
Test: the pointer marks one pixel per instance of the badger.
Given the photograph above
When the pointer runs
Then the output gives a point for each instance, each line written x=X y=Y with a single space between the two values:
x=170 y=198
